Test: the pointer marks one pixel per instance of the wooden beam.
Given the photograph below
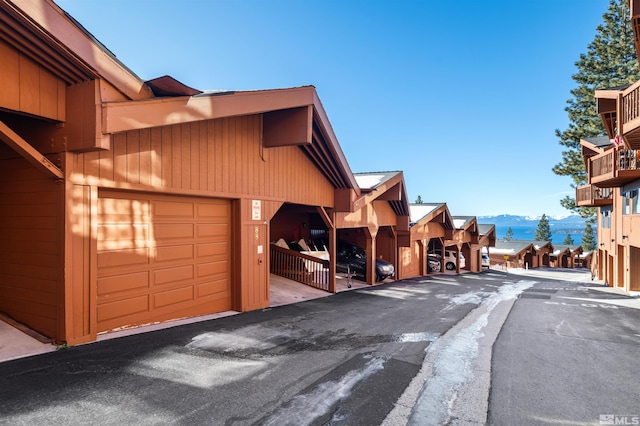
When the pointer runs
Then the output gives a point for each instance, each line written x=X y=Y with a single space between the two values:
x=134 y=115
x=287 y=127
x=31 y=154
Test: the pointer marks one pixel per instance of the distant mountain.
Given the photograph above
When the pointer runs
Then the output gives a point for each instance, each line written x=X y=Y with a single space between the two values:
x=559 y=222
x=524 y=227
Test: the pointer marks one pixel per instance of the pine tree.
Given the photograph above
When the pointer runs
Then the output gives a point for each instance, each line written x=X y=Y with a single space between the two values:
x=543 y=233
x=610 y=61
x=419 y=200
x=568 y=240
x=509 y=235
x=588 y=239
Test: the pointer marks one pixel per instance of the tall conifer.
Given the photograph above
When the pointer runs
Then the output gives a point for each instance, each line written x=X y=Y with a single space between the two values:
x=543 y=233
x=509 y=235
x=610 y=61
x=588 y=239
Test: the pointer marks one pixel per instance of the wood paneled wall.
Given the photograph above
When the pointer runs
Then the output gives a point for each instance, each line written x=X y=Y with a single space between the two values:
x=378 y=213
x=222 y=157
x=409 y=261
x=30 y=248
x=29 y=88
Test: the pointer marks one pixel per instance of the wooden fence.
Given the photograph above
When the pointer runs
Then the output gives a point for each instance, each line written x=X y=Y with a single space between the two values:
x=303 y=268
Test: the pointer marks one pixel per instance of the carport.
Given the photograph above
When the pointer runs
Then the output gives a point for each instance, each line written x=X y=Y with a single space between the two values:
x=379 y=222
x=431 y=224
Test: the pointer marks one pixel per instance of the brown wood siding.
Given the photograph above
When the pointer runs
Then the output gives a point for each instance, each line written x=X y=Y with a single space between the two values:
x=29 y=88
x=30 y=246
x=161 y=257
x=222 y=157
x=410 y=260
x=634 y=268
x=378 y=213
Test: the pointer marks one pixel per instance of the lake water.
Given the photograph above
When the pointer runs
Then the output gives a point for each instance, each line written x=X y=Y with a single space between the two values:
x=529 y=233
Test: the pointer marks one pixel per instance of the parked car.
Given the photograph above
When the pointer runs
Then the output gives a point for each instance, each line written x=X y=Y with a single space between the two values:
x=485 y=260
x=433 y=263
x=450 y=260
x=353 y=258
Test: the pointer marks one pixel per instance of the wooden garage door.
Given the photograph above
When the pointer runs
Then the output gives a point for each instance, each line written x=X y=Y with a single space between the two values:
x=161 y=257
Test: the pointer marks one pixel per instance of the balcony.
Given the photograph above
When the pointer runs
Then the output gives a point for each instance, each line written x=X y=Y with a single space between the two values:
x=630 y=115
x=592 y=196
x=614 y=168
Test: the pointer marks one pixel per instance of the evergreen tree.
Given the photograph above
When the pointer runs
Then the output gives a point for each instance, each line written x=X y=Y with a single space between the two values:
x=543 y=233
x=568 y=240
x=610 y=61
x=509 y=235
x=588 y=239
x=419 y=200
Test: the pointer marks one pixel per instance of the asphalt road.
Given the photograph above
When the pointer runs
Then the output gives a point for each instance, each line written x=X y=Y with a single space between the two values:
x=567 y=355
x=411 y=352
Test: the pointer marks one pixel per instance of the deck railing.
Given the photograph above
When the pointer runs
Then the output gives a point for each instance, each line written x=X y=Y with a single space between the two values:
x=303 y=268
x=591 y=196
x=627 y=159
x=631 y=105
x=610 y=163
x=602 y=164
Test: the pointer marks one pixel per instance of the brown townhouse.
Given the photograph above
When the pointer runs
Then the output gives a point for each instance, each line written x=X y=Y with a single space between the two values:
x=126 y=202
x=613 y=173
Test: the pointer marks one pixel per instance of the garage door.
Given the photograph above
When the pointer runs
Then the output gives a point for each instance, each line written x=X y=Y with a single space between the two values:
x=160 y=258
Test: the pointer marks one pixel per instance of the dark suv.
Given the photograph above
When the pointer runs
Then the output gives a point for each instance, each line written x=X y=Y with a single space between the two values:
x=352 y=258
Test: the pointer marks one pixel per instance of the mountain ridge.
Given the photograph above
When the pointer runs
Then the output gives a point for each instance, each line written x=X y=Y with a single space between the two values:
x=568 y=221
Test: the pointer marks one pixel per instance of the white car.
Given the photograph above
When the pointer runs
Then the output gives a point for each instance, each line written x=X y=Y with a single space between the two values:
x=450 y=260
x=485 y=260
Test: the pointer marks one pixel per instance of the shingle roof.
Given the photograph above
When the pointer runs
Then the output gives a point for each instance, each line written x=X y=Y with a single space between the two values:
x=599 y=141
x=485 y=228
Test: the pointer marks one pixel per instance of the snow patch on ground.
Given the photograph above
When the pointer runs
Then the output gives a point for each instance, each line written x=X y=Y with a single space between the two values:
x=451 y=357
x=304 y=409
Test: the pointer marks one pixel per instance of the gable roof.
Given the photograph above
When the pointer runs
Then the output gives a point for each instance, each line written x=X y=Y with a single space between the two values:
x=539 y=244
x=571 y=248
x=486 y=228
x=511 y=248
x=389 y=186
x=426 y=212
x=463 y=222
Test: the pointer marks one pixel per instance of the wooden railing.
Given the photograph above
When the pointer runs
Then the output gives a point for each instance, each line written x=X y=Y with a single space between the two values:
x=602 y=164
x=303 y=268
x=631 y=105
x=627 y=159
x=591 y=196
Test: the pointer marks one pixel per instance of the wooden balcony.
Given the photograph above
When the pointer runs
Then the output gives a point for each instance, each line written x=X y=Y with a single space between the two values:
x=592 y=196
x=614 y=168
x=630 y=115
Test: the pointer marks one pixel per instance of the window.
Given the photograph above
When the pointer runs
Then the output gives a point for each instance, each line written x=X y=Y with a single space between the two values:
x=605 y=213
x=630 y=202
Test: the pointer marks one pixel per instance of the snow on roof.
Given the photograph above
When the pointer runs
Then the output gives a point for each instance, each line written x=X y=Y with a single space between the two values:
x=502 y=251
x=459 y=223
x=369 y=181
x=418 y=211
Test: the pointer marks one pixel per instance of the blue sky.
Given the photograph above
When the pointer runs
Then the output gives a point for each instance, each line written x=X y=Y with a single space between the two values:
x=462 y=96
